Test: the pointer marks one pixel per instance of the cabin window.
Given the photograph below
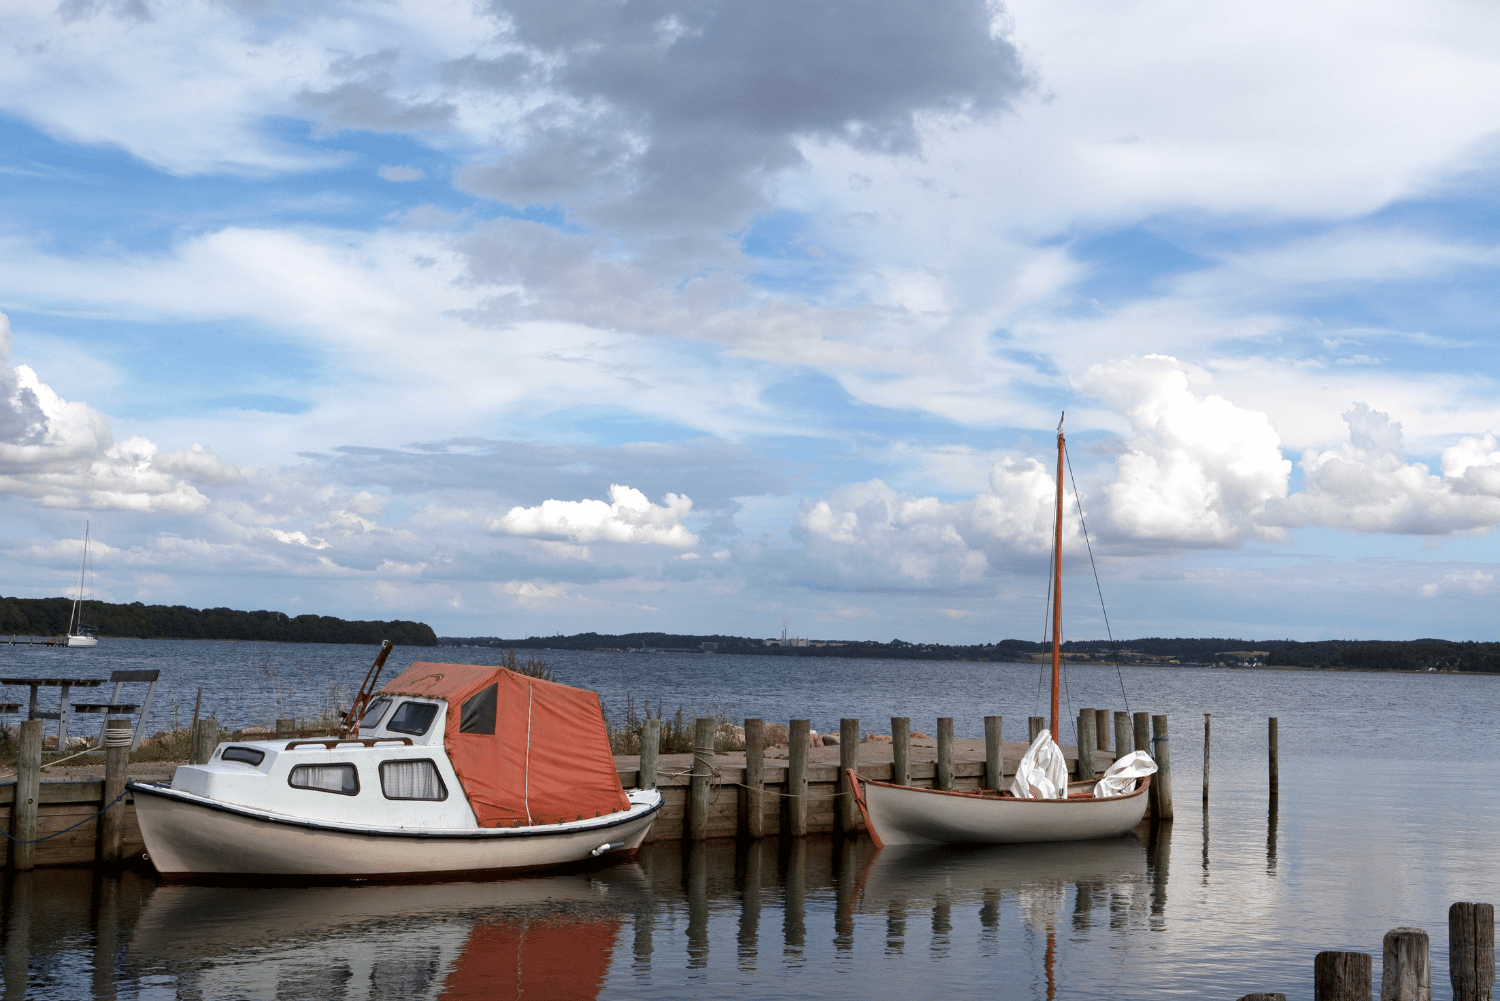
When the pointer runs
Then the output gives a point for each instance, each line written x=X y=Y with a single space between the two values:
x=478 y=715
x=342 y=779
x=412 y=717
x=371 y=719
x=248 y=755
x=412 y=780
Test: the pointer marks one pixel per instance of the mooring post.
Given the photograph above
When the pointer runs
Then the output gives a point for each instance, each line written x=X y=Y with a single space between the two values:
x=848 y=812
x=117 y=736
x=1341 y=976
x=650 y=750
x=1124 y=742
x=1161 y=782
x=206 y=741
x=994 y=760
x=1406 y=971
x=901 y=750
x=1263 y=997
x=800 y=735
x=1086 y=741
x=1471 y=951
x=1034 y=726
x=755 y=778
x=1101 y=729
x=285 y=726
x=1206 y=719
x=944 y=777
x=703 y=767
x=23 y=811
x=1142 y=734
x=1275 y=765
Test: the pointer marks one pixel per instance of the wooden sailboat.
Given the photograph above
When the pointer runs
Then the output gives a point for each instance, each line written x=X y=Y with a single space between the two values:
x=898 y=814
x=78 y=634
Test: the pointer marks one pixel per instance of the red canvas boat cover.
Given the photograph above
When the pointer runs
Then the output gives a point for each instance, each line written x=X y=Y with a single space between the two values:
x=540 y=756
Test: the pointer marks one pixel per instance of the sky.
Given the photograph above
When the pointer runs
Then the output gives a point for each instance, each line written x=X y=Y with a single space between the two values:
x=523 y=318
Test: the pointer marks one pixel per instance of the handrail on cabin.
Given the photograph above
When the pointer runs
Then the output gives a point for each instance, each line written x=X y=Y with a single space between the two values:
x=333 y=742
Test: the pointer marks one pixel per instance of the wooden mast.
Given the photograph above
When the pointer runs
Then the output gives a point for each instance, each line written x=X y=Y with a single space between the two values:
x=1057 y=594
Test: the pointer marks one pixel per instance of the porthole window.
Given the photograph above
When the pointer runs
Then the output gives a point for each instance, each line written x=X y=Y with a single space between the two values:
x=412 y=780
x=341 y=779
x=412 y=717
x=248 y=755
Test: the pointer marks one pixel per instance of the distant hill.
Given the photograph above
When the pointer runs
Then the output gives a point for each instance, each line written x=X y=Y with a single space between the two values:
x=49 y=617
x=1375 y=655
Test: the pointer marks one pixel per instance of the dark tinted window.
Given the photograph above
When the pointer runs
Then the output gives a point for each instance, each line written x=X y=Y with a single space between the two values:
x=248 y=755
x=342 y=779
x=479 y=712
x=412 y=717
x=376 y=709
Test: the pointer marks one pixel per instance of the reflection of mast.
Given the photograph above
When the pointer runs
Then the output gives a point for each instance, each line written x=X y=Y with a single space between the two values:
x=1050 y=963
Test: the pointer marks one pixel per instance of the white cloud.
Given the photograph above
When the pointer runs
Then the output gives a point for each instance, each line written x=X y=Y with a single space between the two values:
x=1460 y=585
x=401 y=173
x=297 y=539
x=1199 y=471
x=628 y=517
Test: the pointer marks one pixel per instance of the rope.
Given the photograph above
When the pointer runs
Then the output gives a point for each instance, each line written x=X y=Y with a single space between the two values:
x=65 y=830
x=1097 y=586
x=717 y=780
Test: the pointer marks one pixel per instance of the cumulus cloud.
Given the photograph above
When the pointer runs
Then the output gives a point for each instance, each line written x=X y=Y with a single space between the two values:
x=1366 y=485
x=1198 y=471
x=628 y=517
x=1460 y=585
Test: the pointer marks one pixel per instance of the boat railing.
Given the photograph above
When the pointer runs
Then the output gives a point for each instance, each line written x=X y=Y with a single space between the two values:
x=333 y=742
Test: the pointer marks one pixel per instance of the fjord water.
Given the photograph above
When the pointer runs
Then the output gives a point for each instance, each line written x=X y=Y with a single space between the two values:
x=1388 y=812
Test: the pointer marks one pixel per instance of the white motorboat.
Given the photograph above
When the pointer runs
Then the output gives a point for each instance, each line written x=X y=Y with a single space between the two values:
x=1051 y=809
x=455 y=768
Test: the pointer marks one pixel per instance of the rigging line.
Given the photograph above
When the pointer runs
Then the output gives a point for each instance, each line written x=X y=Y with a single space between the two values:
x=1082 y=524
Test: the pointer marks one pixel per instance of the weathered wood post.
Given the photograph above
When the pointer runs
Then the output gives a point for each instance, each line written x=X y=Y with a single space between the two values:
x=703 y=767
x=1471 y=951
x=943 y=779
x=1341 y=976
x=650 y=751
x=1406 y=971
x=117 y=737
x=1263 y=997
x=1142 y=733
x=1161 y=782
x=285 y=726
x=848 y=811
x=800 y=732
x=1086 y=741
x=755 y=778
x=1101 y=729
x=994 y=759
x=1034 y=726
x=23 y=811
x=1124 y=742
x=1206 y=719
x=1275 y=764
x=901 y=750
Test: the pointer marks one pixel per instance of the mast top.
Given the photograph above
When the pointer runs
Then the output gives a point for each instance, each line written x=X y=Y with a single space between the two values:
x=1060 y=419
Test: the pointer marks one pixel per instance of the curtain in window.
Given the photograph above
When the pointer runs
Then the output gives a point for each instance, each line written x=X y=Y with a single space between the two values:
x=412 y=780
x=328 y=778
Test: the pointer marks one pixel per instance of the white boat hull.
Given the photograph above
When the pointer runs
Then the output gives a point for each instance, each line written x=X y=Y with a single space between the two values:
x=905 y=815
x=85 y=642
x=190 y=835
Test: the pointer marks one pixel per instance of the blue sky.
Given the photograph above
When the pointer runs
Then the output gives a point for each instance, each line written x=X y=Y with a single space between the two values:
x=522 y=318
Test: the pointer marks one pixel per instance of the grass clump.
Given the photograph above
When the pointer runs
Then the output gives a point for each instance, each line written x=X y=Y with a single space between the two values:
x=678 y=733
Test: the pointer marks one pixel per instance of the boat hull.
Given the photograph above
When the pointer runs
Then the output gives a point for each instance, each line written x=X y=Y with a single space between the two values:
x=188 y=835
x=905 y=815
x=83 y=642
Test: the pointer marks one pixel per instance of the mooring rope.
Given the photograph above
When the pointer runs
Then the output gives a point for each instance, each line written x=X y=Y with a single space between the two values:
x=65 y=830
x=1097 y=586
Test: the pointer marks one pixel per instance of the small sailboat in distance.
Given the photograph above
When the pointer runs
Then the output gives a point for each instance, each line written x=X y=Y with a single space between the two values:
x=80 y=635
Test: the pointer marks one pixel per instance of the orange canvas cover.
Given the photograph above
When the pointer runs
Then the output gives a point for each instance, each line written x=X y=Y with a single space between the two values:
x=547 y=762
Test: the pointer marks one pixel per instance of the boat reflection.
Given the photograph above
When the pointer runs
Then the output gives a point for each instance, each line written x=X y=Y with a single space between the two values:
x=550 y=936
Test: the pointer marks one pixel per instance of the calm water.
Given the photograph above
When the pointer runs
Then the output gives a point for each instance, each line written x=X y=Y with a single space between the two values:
x=1388 y=813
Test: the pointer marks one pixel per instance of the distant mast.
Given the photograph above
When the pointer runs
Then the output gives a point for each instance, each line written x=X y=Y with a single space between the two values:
x=1057 y=591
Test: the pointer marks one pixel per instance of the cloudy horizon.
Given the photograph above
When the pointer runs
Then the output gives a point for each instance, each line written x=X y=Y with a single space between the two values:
x=526 y=318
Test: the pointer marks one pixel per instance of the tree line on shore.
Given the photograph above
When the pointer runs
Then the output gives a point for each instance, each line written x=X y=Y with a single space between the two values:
x=49 y=617
x=1379 y=655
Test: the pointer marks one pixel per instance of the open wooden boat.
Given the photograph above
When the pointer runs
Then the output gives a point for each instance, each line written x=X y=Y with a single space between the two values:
x=455 y=768
x=902 y=815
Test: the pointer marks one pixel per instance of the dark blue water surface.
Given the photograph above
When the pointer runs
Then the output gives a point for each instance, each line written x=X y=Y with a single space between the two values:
x=1387 y=813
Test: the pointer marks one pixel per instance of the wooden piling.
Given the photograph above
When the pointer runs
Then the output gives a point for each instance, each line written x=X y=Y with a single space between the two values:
x=800 y=733
x=755 y=778
x=848 y=811
x=1161 y=782
x=1471 y=951
x=1101 y=729
x=1258 y=996
x=1142 y=735
x=650 y=751
x=703 y=768
x=994 y=760
x=28 y=796
x=1124 y=742
x=285 y=726
x=1275 y=765
x=943 y=779
x=1406 y=971
x=1341 y=976
x=206 y=741
x=117 y=735
x=1086 y=741
x=1034 y=726
x=1206 y=720
x=901 y=750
